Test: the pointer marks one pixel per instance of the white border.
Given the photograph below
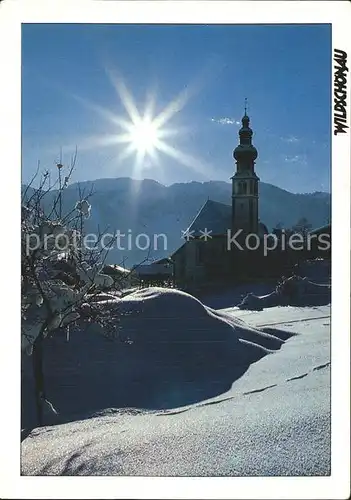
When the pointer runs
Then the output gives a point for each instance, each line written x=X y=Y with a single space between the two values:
x=12 y=14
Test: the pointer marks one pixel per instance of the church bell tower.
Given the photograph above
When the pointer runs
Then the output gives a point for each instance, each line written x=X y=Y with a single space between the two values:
x=245 y=182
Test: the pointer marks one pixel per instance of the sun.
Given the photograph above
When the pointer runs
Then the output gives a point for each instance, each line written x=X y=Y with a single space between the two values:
x=144 y=136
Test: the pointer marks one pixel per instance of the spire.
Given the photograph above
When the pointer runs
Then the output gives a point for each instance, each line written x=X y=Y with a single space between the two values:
x=245 y=119
x=245 y=133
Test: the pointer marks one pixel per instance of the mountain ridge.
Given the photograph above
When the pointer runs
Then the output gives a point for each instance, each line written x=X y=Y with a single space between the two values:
x=187 y=183
x=147 y=206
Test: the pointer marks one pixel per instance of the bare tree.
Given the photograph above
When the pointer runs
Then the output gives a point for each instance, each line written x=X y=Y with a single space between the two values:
x=303 y=226
x=278 y=229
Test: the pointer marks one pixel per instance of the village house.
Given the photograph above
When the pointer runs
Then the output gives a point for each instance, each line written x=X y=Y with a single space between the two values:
x=156 y=272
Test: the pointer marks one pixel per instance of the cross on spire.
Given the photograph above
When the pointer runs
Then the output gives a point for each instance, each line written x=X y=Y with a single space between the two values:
x=245 y=106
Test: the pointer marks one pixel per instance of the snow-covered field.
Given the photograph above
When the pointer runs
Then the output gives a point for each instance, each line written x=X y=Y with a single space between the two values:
x=264 y=410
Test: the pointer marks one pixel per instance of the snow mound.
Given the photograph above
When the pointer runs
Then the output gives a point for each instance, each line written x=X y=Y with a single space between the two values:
x=167 y=315
x=317 y=270
x=294 y=291
x=169 y=350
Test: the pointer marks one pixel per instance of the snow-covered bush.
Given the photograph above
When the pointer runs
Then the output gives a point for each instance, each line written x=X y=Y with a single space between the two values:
x=59 y=276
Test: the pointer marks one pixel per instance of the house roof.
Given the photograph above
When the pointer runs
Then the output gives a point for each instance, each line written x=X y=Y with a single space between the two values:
x=115 y=267
x=213 y=216
x=164 y=260
x=153 y=269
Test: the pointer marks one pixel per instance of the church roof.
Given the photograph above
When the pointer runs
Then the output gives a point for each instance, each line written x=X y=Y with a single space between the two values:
x=213 y=216
x=217 y=217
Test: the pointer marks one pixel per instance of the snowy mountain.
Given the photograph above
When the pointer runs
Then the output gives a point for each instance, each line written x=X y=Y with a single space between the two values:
x=146 y=206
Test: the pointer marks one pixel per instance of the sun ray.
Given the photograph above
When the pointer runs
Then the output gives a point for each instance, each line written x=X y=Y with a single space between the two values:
x=92 y=142
x=125 y=153
x=154 y=155
x=105 y=113
x=172 y=108
x=139 y=159
x=179 y=102
x=124 y=95
x=187 y=160
x=150 y=105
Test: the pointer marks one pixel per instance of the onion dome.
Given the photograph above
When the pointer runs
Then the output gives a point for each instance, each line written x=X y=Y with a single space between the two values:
x=244 y=153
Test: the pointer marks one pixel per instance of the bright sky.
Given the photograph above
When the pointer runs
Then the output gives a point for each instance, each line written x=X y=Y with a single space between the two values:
x=164 y=101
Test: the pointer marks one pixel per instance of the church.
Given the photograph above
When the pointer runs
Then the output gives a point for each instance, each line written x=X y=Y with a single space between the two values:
x=206 y=256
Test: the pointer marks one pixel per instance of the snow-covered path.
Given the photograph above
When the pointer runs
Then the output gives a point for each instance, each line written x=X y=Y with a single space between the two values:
x=275 y=419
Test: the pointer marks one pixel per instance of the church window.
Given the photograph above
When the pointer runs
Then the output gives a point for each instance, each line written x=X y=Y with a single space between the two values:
x=200 y=253
x=242 y=188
